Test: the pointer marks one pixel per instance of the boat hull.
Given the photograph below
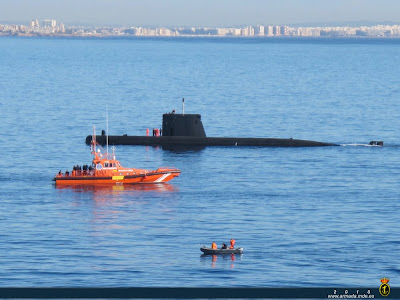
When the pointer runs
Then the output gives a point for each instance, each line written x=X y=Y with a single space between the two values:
x=209 y=251
x=156 y=177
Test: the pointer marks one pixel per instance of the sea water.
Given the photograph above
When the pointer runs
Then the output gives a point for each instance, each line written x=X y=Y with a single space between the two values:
x=324 y=216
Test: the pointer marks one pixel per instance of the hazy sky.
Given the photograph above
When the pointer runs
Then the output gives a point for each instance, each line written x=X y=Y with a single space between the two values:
x=199 y=12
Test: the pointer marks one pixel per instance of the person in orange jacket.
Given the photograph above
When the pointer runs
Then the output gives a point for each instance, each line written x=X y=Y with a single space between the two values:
x=214 y=245
x=232 y=244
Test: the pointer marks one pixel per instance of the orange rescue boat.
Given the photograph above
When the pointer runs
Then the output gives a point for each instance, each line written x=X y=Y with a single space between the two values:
x=105 y=169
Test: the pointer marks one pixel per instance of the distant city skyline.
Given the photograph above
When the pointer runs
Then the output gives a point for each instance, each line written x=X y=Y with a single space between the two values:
x=201 y=12
x=51 y=27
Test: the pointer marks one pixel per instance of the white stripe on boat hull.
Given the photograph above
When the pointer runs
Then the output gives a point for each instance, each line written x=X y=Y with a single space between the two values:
x=162 y=177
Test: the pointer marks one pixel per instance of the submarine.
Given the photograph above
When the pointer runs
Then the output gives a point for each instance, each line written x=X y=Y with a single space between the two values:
x=187 y=130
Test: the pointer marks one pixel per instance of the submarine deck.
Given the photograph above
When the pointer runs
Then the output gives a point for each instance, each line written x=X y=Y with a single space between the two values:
x=204 y=141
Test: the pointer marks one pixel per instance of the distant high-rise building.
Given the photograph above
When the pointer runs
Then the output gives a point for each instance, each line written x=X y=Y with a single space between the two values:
x=34 y=23
x=223 y=31
x=284 y=30
x=251 y=31
x=151 y=32
x=277 y=30
x=270 y=30
x=49 y=23
x=261 y=30
x=315 y=32
x=62 y=28
x=163 y=31
x=139 y=31
x=237 y=31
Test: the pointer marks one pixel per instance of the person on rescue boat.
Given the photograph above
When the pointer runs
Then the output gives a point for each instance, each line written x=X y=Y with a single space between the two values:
x=232 y=244
x=214 y=245
x=224 y=246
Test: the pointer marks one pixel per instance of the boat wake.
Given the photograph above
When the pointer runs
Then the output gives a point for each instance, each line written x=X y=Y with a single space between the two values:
x=360 y=145
x=371 y=144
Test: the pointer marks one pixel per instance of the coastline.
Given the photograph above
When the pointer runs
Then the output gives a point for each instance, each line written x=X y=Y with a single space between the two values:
x=160 y=37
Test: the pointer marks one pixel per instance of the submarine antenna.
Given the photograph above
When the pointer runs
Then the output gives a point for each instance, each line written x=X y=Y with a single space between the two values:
x=183 y=106
x=94 y=140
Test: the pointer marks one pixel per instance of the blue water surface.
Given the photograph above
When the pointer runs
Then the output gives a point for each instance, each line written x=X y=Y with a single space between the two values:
x=324 y=216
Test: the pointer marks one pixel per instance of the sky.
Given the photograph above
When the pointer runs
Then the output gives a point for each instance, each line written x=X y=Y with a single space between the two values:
x=217 y=13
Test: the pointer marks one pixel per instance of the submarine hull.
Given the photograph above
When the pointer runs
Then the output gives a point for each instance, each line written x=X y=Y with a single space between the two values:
x=204 y=141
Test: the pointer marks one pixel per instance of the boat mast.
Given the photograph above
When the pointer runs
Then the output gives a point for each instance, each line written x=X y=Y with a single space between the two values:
x=107 y=127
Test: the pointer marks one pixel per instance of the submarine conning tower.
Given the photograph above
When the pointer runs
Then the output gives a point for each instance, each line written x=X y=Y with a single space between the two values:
x=183 y=125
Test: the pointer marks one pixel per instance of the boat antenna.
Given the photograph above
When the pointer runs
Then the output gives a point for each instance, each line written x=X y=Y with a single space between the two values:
x=183 y=106
x=107 y=127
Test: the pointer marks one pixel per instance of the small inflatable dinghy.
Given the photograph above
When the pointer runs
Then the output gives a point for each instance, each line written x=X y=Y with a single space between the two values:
x=210 y=251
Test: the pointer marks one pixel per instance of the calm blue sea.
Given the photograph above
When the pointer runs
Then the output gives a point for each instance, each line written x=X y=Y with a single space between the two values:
x=325 y=216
